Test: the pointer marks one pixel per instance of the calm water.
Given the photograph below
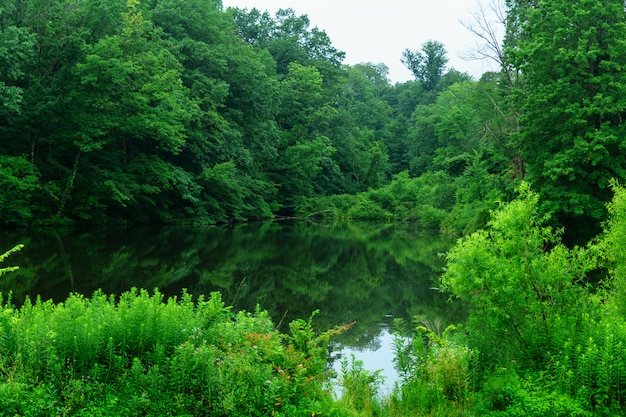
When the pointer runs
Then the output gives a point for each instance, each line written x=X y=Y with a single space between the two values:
x=363 y=272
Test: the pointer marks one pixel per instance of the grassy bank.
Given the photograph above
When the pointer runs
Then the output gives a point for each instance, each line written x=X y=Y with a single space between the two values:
x=143 y=355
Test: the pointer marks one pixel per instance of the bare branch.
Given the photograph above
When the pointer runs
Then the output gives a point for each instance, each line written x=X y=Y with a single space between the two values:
x=487 y=26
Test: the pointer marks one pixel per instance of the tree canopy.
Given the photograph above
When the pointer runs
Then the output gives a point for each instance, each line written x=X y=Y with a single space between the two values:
x=169 y=111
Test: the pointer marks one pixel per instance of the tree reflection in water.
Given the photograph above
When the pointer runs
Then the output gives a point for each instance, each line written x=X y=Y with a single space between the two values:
x=363 y=272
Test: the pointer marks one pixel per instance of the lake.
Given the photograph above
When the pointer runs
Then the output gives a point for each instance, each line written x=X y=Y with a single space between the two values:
x=368 y=273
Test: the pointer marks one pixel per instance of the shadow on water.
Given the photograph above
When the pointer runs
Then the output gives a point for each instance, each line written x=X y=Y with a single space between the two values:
x=363 y=272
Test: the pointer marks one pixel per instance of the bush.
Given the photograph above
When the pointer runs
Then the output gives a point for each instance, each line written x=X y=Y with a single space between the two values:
x=360 y=387
x=427 y=200
x=526 y=290
x=612 y=247
x=561 y=342
x=19 y=183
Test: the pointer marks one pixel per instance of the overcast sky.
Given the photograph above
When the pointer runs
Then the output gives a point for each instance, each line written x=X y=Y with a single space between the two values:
x=379 y=31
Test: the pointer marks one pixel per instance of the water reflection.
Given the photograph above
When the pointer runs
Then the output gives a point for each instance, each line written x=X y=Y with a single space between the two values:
x=376 y=357
x=359 y=272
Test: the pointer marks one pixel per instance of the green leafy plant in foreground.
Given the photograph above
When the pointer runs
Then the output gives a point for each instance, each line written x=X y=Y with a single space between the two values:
x=360 y=387
x=526 y=289
x=435 y=370
x=140 y=354
x=546 y=341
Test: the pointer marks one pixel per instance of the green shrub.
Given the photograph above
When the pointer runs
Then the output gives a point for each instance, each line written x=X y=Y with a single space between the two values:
x=19 y=183
x=531 y=306
x=612 y=246
x=525 y=289
x=427 y=199
x=500 y=390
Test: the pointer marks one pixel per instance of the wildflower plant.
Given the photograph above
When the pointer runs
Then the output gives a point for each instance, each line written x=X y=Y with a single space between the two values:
x=142 y=354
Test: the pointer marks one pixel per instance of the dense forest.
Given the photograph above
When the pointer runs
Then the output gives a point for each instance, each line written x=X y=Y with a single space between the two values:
x=165 y=111
x=169 y=111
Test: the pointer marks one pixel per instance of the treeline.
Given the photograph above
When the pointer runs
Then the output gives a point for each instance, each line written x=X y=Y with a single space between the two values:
x=169 y=111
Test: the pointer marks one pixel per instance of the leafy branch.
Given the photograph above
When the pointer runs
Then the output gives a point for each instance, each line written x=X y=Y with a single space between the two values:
x=5 y=255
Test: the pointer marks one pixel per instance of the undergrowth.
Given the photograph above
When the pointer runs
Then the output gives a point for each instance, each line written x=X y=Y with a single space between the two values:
x=143 y=355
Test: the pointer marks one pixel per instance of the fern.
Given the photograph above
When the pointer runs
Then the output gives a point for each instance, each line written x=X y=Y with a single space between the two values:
x=404 y=358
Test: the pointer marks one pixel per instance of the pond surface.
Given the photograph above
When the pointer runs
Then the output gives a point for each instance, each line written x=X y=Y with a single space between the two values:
x=368 y=273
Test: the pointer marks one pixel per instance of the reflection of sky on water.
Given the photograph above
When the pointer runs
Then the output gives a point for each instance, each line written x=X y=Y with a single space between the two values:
x=375 y=356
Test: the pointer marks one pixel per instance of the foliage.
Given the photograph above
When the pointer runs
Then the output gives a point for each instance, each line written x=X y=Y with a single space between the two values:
x=545 y=340
x=5 y=255
x=504 y=393
x=359 y=387
x=141 y=354
x=119 y=111
x=426 y=199
x=427 y=64
x=613 y=248
x=526 y=289
x=435 y=371
x=262 y=116
x=19 y=184
x=16 y=53
x=572 y=58
x=477 y=194
x=519 y=354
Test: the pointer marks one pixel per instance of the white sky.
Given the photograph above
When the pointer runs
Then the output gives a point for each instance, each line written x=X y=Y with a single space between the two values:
x=378 y=32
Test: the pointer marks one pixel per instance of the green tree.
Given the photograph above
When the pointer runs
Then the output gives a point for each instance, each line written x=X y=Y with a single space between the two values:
x=16 y=53
x=427 y=64
x=19 y=182
x=38 y=131
x=129 y=112
x=403 y=98
x=304 y=147
x=234 y=86
x=289 y=39
x=360 y=132
x=525 y=288
x=447 y=132
x=573 y=60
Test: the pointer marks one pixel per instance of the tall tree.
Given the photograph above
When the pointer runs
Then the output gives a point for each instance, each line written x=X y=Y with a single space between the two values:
x=129 y=112
x=289 y=39
x=16 y=53
x=494 y=28
x=361 y=153
x=573 y=59
x=234 y=138
x=427 y=64
x=304 y=147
